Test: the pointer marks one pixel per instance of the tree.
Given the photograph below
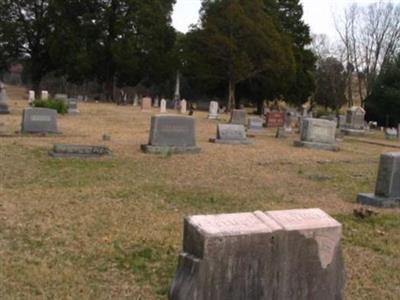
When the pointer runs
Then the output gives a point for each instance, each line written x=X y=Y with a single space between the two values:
x=383 y=105
x=240 y=41
x=331 y=84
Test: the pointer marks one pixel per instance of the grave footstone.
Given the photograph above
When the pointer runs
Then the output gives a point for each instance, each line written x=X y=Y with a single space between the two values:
x=318 y=134
x=146 y=104
x=239 y=117
x=39 y=120
x=387 y=190
x=73 y=106
x=274 y=119
x=231 y=134
x=213 y=110
x=31 y=96
x=171 y=134
x=3 y=100
x=44 y=95
x=355 y=122
x=293 y=254
x=163 y=106
x=183 y=106
x=255 y=125
x=67 y=150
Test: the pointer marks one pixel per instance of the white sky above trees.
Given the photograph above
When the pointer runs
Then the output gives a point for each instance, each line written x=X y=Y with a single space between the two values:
x=319 y=14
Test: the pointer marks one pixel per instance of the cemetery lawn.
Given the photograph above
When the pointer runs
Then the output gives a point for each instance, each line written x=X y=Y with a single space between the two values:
x=111 y=228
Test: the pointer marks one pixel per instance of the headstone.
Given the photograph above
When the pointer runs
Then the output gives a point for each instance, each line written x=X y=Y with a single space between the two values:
x=274 y=119
x=230 y=134
x=293 y=254
x=318 y=134
x=146 y=104
x=66 y=150
x=62 y=97
x=80 y=98
x=213 y=110
x=387 y=190
x=255 y=125
x=183 y=106
x=136 y=100
x=163 y=106
x=355 y=121
x=391 y=133
x=31 y=96
x=3 y=100
x=172 y=134
x=45 y=95
x=156 y=102
x=73 y=106
x=341 y=121
x=238 y=117
x=39 y=120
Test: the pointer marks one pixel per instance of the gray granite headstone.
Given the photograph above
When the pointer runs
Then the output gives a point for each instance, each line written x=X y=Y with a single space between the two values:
x=387 y=190
x=230 y=134
x=73 y=106
x=239 y=117
x=66 y=150
x=355 y=121
x=61 y=97
x=318 y=134
x=3 y=100
x=255 y=124
x=172 y=134
x=213 y=110
x=39 y=120
x=294 y=255
x=391 y=133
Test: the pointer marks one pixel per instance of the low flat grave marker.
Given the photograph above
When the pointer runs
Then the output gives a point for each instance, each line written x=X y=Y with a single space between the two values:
x=231 y=134
x=318 y=134
x=66 y=150
x=387 y=190
x=293 y=254
x=238 y=116
x=171 y=134
x=39 y=120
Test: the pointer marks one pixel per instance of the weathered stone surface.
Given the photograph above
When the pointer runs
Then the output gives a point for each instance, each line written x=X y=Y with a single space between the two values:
x=61 y=97
x=39 y=120
x=146 y=104
x=213 y=110
x=230 y=134
x=387 y=190
x=73 y=106
x=65 y=150
x=238 y=117
x=31 y=96
x=274 y=119
x=183 y=106
x=318 y=134
x=44 y=95
x=163 y=106
x=283 y=132
x=3 y=100
x=391 y=133
x=255 y=124
x=279 y=255
x=172 y=133
x=355 y=122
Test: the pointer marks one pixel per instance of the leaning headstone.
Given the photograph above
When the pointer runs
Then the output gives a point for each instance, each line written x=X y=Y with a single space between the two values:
x=73 y=106
x=293 y=254
x=391 y=133
x=3 y=100
x=172 y=134
x=163 y=106
x=67 y=150
x=387 y=190
x=355 y=122
x=31 y=96
x=318 y=134
x=238 y=117
x=255 y=125
x=213 y=110
x=146 y=104
x=183 y=106
x=45 y=95
x=274 y=119
x=39 y=120
x=231 y=134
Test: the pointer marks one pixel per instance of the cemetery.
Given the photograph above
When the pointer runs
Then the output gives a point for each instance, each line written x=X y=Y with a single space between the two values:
x=253 y=155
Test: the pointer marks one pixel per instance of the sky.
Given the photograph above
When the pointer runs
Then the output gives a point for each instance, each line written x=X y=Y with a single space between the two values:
x=319 y=14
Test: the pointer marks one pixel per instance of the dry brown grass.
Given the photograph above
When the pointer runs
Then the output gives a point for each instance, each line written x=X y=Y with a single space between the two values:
x=111 y=228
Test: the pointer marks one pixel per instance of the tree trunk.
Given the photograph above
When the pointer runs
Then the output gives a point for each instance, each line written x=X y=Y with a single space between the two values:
x=231 y=96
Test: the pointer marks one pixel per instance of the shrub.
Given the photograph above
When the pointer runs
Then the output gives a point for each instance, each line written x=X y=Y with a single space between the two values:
x=58 y=105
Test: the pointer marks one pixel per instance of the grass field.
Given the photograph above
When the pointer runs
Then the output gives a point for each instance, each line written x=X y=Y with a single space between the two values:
x=111 y=228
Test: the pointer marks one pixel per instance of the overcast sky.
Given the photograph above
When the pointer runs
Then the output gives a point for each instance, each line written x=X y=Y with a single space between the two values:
x=319 y=14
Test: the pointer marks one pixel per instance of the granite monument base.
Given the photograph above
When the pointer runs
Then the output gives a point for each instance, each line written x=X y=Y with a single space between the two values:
x=231 y=142
x=379 y=201
x=353 y=132
x=315 y=145
x=82 y=151
x=170 y=149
